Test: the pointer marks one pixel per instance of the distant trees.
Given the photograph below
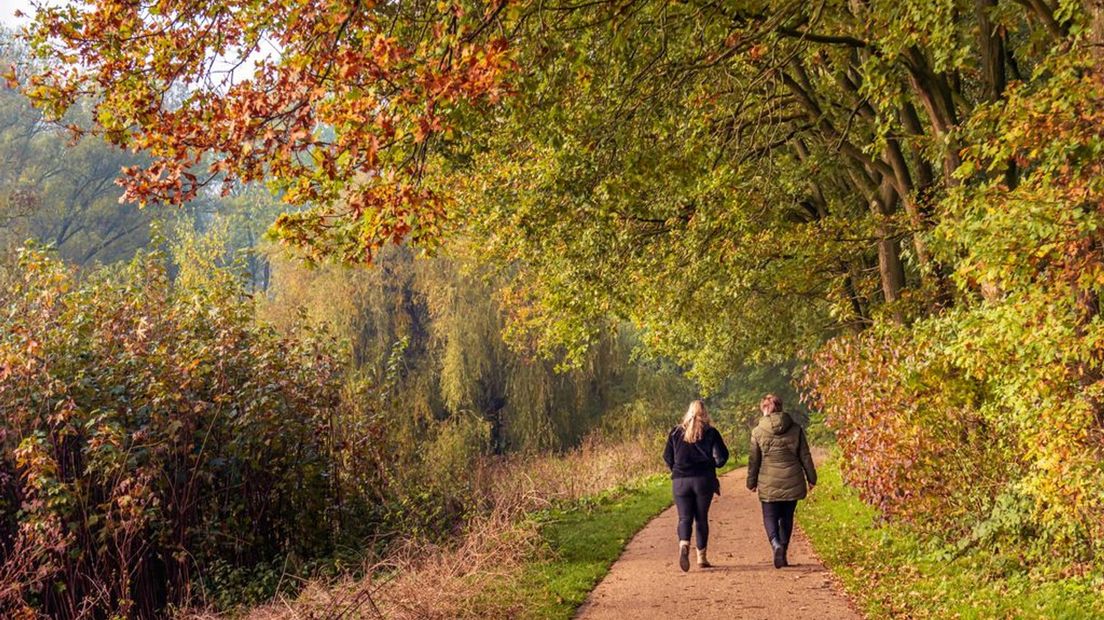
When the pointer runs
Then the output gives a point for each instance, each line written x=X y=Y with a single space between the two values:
x=60 y=193
x=432 y=329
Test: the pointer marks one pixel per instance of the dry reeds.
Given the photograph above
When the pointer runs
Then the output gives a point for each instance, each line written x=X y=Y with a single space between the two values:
x=466 y=577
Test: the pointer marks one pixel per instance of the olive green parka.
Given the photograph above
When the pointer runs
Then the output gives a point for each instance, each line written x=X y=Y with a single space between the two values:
x=779 y=462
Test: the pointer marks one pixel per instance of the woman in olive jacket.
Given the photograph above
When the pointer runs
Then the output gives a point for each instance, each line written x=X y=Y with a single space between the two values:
x=779 y=464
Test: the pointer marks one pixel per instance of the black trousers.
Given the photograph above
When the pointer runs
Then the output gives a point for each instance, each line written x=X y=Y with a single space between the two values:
x=778 y=520
x=692 y=498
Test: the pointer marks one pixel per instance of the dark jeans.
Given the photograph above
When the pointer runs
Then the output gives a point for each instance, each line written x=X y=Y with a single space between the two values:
x=692 y=498
x=778 y=520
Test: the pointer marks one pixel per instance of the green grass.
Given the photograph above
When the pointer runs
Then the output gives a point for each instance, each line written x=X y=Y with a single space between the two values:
x=582 y=541
x=893 y=572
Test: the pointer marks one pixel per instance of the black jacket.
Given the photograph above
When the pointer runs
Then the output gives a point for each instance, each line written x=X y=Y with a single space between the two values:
x=688 y=460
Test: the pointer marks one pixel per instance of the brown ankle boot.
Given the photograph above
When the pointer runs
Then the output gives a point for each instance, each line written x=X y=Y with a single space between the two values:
x=703 y=562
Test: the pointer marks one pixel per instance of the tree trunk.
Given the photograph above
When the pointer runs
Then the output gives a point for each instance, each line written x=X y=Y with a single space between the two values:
x=857 y=305
x=925 y=176
x=1094 y=9
x=890 y=267
x=935 y=95
x=880 y=200
x=991 y=39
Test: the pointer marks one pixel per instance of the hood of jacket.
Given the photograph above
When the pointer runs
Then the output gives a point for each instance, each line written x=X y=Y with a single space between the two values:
x=776 y=423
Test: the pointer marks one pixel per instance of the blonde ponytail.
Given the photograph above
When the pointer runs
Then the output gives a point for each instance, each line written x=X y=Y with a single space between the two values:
x=695 y=422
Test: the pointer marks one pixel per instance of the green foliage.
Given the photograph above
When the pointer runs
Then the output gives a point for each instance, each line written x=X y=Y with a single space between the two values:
x=993 y=407
x=1034 y=339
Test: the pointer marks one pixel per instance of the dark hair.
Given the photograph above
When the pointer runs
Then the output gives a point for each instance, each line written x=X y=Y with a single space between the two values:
x=770 y=404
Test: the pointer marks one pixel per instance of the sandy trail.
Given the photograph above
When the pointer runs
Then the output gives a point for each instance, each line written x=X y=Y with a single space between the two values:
x=645 y=582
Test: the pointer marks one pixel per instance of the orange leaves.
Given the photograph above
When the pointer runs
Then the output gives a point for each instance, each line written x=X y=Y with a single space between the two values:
x=386 y=53
x=910 y=442
x=428 y=125
x=350 y=93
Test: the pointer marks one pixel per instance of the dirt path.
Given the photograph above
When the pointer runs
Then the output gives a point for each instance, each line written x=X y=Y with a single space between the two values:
x=646 y=582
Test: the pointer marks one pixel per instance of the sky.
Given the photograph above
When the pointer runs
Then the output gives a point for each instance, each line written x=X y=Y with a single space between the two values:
x=8 y=20
x=8 y=9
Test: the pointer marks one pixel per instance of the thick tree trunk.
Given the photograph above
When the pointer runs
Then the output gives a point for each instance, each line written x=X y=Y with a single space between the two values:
x=1094 y=9
x=925 y=176
x=880 y=201
x=872 y=178
x=994 y=58
x=862 y=319
x=895 y=158
x=935 y=96
x=991 y=39
x=890 y=267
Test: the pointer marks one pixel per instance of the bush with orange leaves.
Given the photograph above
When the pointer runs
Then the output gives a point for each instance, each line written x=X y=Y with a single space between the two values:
x=149 y=429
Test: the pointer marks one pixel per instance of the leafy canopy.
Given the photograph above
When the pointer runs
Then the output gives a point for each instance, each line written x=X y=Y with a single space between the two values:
x=338 y=103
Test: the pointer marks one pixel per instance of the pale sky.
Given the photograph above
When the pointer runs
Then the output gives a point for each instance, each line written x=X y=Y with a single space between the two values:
x=8 y=20
x=8 y=9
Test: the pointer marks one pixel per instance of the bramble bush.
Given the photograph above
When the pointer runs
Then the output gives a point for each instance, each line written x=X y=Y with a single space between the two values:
x=152 y=435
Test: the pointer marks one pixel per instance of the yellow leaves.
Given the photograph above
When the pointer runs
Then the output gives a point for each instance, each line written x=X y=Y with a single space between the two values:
x=10 y=78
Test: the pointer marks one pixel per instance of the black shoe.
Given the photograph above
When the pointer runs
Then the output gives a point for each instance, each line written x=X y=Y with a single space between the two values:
x=785 y=551
x=684 y=557
x=779 y=556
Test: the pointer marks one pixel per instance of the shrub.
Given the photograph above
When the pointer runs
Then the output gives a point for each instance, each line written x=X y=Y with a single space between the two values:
x=912 y=440
x=150 y=434
x=969 y=446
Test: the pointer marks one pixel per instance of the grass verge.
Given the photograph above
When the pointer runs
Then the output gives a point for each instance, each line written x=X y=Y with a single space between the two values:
x=890 y=571
x=581 y=541
x=553 y=531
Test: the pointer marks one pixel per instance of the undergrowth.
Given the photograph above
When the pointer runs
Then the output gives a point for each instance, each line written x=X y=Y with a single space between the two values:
x=892 y=571
x=551 y=527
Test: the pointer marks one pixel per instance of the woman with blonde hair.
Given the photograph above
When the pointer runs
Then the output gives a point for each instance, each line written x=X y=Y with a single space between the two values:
x=694 y=451
x=779 y=465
